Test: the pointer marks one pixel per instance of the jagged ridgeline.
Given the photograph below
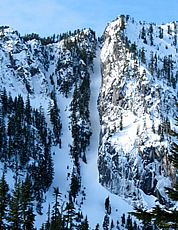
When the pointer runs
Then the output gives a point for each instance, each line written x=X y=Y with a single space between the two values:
x=137 y=107
x=34 y=71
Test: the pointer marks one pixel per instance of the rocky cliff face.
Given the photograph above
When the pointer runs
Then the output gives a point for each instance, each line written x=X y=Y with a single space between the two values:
x=137 y=108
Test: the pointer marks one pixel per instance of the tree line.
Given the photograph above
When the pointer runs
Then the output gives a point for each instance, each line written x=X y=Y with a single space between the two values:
x=25 y=142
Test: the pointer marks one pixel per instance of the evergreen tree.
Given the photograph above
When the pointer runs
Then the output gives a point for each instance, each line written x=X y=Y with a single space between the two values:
x=26 y=200
x=133 y=49
x=151 y=64
x=173 y=192
x=121 y=122
x=74 y=107
x=160 y=33
x=155 y=63
x=144 y=216
x=56 y=216
x=84 y=158
x=3 y=138
x=143 y=35
x=21 y=215
x=55 y=118
x=135 y=227
x=169 y=29
x=117 y=226
x=142 y=55
x=107 y=206
x=28 y=110
x=97 y=227
x=69 y=215
x=4 y=101
x=129 y=223
x=4 y=201
x=29 y=222
x=79 y=217
x=48 y=222
x=75 y=183
x=175 y=40
x=80 y=122
x=112 y=225
x=122 y=26
x=84 y=224
x=15 y=209
x=123 y=220
x=150 y=30
x=106 y=222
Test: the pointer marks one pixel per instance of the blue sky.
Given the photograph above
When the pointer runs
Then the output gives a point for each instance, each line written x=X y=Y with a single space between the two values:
x=47 y=17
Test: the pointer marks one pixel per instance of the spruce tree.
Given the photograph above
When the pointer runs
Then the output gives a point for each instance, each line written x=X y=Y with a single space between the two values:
x=28 y=217
x=123 y=220
x=151 y=64
x=97 y=227
x=4 y=201
x=160 y=33
x=129 y=223
x=69 y=214
x=28 y=110
x=117 y=225
x=4 y=101
x=107 y=206
x=173 y=192
x=112 y=225
x=84 y=224
x=15 y=209
x=143 y=35
x=144 y=217
x=48 y=222
x=106 y=222
x=56 y=215
x=55 y=118
x=142 y=55
x=121 y=122
x=150 y=30
x=3 y=138
x=75 y=183
x=29 y=222
x=122 y=26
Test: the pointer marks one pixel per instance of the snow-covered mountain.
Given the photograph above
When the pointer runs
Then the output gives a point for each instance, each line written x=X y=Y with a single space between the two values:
x=137 y=108
x=121 y=152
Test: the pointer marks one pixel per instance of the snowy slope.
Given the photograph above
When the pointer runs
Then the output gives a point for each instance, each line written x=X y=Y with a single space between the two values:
x=136 y=82
x=95 y=194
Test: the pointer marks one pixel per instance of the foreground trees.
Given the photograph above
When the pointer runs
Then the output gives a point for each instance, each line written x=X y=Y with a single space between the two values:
x=16 y=210
x=25 y=142
x=4 y=201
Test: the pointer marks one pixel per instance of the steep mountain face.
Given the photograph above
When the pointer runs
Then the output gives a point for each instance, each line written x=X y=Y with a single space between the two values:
x=35 y=74
x=137 y=108
x=45 y=117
